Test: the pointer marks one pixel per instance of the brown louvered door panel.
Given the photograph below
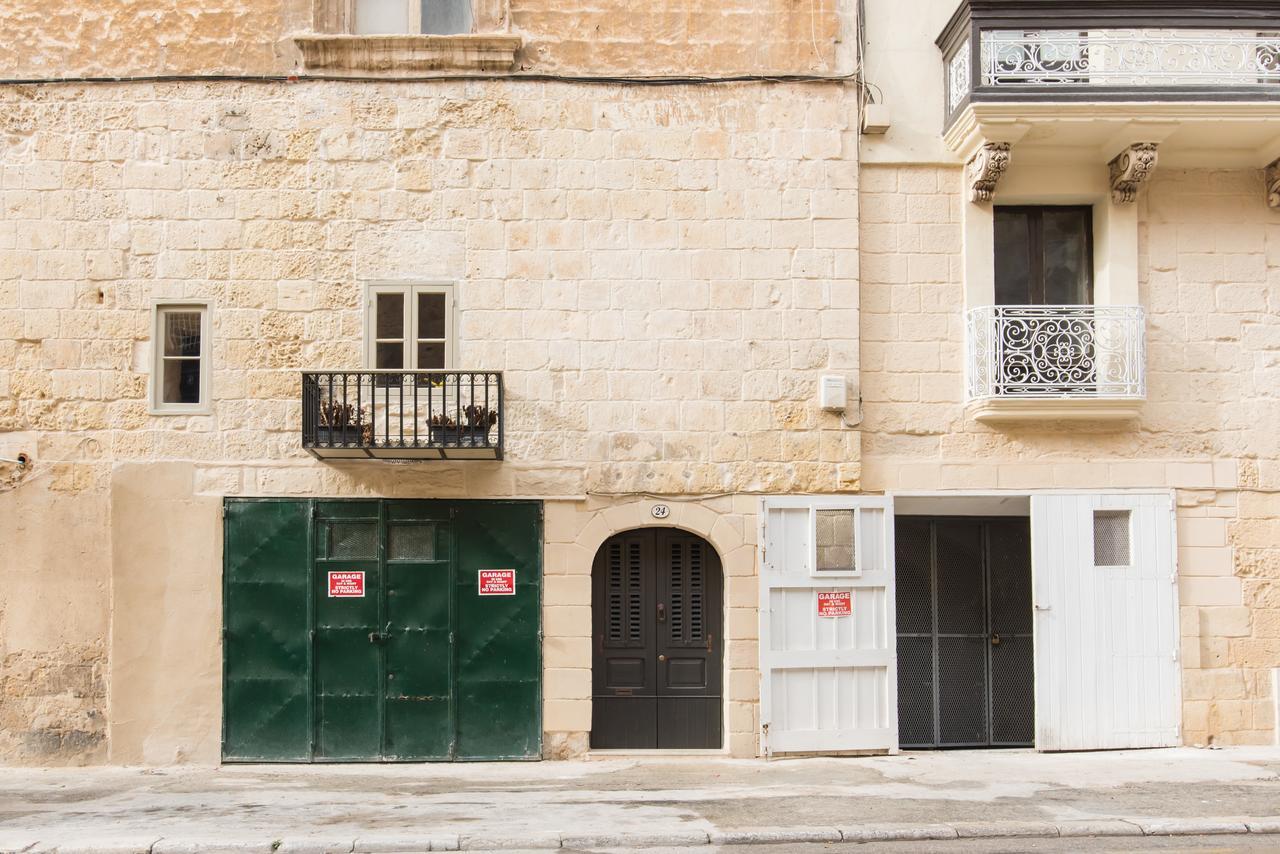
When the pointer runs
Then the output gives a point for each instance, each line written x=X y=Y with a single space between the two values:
x=624 y=696
x=657 y=672
x=689 y=641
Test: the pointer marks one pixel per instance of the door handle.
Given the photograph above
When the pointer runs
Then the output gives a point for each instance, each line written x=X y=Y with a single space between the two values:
x=662 y=612
x=662 y=658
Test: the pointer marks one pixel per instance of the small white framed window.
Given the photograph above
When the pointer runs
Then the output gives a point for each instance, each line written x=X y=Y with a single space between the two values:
x=180 y=358
x=1112 y=538
x=409 y=327
x=401 y=17
x=836 y=544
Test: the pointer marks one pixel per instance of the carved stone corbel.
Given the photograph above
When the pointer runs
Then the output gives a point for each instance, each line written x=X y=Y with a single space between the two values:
x=1130 y=170
x=1272 y=176
x=985 y=168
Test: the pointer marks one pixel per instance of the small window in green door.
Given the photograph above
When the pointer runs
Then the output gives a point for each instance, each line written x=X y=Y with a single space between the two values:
x=351 y=540
x=411 y=542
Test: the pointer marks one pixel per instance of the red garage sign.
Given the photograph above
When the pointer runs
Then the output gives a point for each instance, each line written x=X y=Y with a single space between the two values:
x=346 y=585
x=838 y=604
x=497 y=582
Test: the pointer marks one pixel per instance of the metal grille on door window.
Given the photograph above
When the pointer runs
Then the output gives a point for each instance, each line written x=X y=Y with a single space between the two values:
x=1111 y=538
x=836 y=547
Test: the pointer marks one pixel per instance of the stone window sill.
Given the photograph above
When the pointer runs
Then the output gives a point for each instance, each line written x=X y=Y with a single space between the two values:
x=392 y=55
x=996 y=409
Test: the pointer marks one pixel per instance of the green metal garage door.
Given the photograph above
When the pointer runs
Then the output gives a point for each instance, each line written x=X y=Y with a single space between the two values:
x=381 y=630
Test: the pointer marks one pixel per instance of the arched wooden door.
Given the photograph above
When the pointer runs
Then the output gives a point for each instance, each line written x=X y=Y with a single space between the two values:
x=657 y=672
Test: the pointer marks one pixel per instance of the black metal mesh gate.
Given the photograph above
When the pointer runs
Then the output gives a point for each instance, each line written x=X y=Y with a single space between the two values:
x=965 y=666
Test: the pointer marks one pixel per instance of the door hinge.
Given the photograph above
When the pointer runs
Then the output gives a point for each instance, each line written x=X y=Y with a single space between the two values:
x=451 y=638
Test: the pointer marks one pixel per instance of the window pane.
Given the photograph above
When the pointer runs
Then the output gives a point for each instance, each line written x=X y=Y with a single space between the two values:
x=390 y=357
x=390 y=320
x=351 y=540
x=1013 y=257
x=835 y=540
x=182 y=333
x=1067 y=265
x=431 y=315
x=411 y=542
x=446 y=17
x=382 y=16
x=1111 y=538
x=181 y=381
x=430 y=357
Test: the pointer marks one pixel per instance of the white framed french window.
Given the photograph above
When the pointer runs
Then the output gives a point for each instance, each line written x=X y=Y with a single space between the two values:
x=410 y=326
x=180 y=357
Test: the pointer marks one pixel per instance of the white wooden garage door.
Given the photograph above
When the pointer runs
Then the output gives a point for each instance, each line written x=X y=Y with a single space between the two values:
x=1106 y=621
x=828 y=681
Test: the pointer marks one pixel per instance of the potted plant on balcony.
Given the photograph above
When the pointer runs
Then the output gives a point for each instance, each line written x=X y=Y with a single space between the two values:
x=466 y=429
x=343 y=424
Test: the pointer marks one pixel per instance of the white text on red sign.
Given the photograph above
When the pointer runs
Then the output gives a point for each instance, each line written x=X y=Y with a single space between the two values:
x=497 y=582
x=838 y=604
x=346 y=585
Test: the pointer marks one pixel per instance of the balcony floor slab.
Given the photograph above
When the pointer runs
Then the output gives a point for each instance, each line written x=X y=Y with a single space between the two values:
x=1006 y=409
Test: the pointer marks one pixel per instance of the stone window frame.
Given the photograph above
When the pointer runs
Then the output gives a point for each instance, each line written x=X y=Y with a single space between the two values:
x=411 y=289
x=333 y=49
x=156 y=405
x=1115 y=229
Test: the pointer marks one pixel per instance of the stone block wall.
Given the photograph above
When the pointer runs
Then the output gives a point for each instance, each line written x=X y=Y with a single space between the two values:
x=662 y=274
x=1209 y=269
x=61 y=39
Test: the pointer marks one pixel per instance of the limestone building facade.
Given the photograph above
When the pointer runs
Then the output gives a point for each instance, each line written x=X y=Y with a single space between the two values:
x=315 y=314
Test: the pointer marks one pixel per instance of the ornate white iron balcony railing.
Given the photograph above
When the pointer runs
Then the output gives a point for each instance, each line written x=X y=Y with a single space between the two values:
x=1130 y=57
x=1057 y=351
x=958 y=76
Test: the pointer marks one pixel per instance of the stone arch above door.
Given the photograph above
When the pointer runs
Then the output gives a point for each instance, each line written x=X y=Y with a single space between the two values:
x=657 y=641
x=575 y=530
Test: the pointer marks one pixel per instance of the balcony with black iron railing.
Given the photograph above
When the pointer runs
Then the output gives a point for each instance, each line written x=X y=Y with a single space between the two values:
x=1201 y=79
x=402 y=415
x=1068 y=362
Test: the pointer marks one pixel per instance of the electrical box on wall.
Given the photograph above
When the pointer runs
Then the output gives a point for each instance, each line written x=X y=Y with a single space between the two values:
x=833 y=393
x=876 y=119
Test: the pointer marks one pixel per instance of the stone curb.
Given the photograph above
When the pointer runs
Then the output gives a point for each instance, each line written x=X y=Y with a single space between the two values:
x=674 y=837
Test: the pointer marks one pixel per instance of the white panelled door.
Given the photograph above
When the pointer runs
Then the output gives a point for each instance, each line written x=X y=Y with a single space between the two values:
x=827 y=638
x=1106 y=621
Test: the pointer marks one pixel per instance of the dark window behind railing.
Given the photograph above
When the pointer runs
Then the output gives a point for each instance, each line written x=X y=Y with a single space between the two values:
x=402 y=414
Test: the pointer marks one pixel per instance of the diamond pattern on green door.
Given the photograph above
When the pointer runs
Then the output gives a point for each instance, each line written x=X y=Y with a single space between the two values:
x=266 y=682
x=409 y=664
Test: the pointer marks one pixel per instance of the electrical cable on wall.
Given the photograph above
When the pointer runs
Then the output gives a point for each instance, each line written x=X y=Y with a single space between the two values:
x=671 y=80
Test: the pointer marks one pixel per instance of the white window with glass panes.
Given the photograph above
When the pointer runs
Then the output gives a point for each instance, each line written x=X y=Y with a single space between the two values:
x=401 y=17
x=410 y=327
x=180 y=349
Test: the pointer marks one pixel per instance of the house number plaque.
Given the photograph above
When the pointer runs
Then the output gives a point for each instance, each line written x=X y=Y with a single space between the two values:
x=660 y=511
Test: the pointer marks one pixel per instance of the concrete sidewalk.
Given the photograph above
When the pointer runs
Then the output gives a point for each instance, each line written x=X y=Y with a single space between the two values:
x=640 y=803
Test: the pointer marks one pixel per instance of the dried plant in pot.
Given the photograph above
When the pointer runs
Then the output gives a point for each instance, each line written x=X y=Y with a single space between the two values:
x=342 y=423
x=471 y=427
